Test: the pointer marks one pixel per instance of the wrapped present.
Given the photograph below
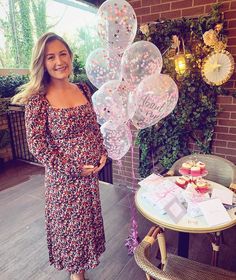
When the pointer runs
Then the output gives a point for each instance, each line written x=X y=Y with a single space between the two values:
x=160 y=195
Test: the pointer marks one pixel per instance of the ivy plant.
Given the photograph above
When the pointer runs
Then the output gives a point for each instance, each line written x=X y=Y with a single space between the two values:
x=195 y=114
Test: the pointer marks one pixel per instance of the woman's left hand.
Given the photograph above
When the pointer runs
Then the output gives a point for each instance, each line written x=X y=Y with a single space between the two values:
x=102 y=162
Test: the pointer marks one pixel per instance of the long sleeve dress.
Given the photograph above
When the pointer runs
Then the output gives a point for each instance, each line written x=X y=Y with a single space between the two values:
x=64 y=140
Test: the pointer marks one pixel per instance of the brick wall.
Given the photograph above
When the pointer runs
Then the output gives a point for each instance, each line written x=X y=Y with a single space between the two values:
x=225 y=132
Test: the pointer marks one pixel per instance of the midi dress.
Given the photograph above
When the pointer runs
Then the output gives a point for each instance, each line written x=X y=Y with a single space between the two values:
x=63 y=140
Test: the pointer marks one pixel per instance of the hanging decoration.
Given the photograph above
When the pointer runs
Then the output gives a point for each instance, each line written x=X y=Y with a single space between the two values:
x=180 y=57
x=218 y=66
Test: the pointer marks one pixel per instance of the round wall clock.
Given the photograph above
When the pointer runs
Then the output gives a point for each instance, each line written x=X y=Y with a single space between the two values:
x=217 y=67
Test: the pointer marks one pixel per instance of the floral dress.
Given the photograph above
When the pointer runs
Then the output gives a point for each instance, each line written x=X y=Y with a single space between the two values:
x=64 y=140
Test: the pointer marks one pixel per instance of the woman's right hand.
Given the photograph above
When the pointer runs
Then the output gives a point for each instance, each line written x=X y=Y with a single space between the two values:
x=87 y=170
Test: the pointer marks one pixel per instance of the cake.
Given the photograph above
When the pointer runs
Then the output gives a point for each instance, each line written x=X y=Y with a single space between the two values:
x=195 y=171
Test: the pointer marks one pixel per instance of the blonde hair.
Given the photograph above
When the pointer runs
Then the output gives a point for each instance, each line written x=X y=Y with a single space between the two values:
x=38 y=78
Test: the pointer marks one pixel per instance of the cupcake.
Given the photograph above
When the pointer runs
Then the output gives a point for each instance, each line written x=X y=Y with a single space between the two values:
x=186 y=178
x=195 y=171
x=202 y=186
x=180 y=182
x=185 y=169
x=202 y=166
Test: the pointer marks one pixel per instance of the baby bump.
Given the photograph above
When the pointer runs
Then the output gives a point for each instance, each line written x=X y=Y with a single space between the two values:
x=85 y=149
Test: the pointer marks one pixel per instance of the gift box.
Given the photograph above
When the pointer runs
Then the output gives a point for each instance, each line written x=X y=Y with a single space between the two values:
x=161 y=194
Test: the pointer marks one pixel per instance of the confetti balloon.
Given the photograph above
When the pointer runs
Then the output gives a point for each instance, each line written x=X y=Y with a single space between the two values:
x=157 y=97
x=116 y=140
x=108 y=104
x=117 y=24
x=140 y=60
x=128 y=98
x=102 y=65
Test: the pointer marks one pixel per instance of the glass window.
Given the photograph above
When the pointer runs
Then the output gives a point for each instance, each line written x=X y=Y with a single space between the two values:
x=22 y=22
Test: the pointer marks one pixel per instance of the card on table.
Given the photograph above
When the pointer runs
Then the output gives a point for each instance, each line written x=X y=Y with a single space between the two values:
x=175 y=210
x=214 y=212
x=225 y=195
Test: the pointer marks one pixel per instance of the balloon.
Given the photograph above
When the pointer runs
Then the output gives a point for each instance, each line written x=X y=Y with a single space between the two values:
x=102 y=65
x=117 y=141
x=117 y=24
x=128 y=97
x=157 y=97
x=108 y=104
x=140 y=60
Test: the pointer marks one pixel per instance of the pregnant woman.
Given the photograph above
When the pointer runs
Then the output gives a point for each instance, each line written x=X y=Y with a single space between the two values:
x=63 y=134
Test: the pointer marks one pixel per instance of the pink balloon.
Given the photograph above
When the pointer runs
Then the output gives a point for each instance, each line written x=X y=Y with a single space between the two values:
x=108 y=104
x=117 y=24
x=103 y=65
x=140 y=60
x=116 y=140
x=157 y=97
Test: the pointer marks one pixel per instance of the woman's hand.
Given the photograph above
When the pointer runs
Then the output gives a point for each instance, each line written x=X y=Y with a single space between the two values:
x=102 y=162
x=87 y=170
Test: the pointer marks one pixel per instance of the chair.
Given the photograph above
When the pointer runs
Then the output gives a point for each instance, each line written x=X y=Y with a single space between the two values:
x=174 y=267
x=220 y=170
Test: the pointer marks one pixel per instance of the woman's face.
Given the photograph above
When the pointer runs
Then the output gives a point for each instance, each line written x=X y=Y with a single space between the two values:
x=57 y=60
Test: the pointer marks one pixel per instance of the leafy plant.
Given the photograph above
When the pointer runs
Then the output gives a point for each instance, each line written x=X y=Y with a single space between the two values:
x=195 y=114
x=10 y=83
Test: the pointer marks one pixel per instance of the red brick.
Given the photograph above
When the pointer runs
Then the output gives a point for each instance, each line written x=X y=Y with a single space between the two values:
x=150 y=2
x=232 y=32
x=136 y=4
x=196 y=11
x=223 y=115
x=142 y=11
x=230 y=137
x=231 y=144
x=230 y=108
x=150 y=18
x=224 y=99
x=232 y=23
x=221 y=129
x=232 y=50
x=232 y=159
x=219 y=143
x=200 y=2
x=170 y=15
x=233 y=5
x=233 y=116
x=232 y=130
x=160 y=8
x=232 y=41
x=226 y=151
x=229 y=15
x=224 y=7
x=181 y=4
x=227 y=122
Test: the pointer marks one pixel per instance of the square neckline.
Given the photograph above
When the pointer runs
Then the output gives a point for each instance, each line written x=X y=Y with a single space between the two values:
x=71 y=107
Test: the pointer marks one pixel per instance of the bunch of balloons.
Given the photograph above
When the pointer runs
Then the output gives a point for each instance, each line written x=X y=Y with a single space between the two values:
x=127 y=75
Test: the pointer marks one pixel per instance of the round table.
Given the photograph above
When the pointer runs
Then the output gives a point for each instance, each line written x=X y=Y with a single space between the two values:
x=187 y=224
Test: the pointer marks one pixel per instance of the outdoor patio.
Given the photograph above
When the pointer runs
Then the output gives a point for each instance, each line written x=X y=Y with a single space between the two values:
x=23 y=241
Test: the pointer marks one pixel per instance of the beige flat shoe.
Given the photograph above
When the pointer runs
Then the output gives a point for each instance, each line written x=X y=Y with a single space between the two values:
x=72 y=277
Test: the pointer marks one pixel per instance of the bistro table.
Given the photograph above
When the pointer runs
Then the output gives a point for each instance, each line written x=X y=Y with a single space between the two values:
x=187 y=224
